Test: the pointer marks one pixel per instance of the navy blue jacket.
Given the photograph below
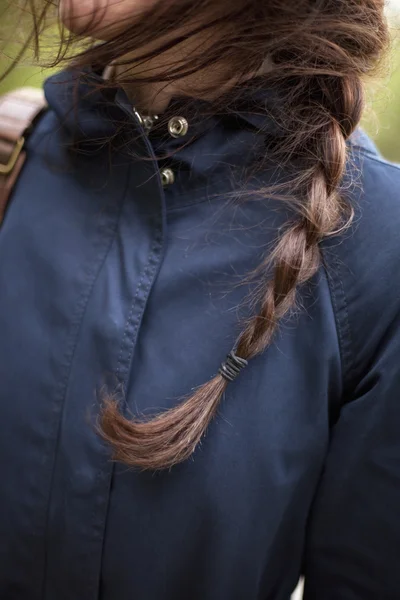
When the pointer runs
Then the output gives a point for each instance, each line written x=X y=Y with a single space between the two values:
x=107 y=279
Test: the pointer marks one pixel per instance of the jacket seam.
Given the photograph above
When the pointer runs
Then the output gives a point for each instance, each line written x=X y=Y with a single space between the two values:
x=157 y=243
x=342 y=319
x=376 y=158
x=81 y=311
x=143 y=285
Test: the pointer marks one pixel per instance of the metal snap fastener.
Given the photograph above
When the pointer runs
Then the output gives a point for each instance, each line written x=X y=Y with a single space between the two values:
x=149 y=122
x=178 y=127
x=167 y=177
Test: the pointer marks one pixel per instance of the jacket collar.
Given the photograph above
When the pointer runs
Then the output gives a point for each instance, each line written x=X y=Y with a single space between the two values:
x=79 y=97
x=91 y=113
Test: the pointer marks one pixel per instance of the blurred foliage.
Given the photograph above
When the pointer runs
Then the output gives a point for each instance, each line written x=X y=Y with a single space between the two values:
x=382 y=116
x=381 y=120
x=22 y=76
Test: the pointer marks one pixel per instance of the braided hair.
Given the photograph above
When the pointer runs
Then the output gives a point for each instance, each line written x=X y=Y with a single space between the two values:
x=317 y=54
x=318 y=63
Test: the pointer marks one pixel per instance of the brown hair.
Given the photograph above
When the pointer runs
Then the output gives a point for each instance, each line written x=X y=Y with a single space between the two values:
x=315 y=53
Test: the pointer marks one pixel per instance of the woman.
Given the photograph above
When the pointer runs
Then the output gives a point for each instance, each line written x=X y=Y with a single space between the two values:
x=206 y=193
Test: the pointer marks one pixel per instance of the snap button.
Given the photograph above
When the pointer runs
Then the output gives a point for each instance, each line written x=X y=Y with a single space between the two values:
x=167 y=177
x=149 y=122
x=178 y=127
x=146 y=121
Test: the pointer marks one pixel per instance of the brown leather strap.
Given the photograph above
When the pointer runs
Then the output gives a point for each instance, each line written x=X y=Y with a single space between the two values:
x=18 y=111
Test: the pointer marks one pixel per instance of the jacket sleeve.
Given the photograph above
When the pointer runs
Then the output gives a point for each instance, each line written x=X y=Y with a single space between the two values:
x=353 y=539
x=353 y=549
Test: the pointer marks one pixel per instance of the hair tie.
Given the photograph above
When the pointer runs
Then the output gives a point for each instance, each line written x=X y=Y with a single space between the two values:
x=231 y=368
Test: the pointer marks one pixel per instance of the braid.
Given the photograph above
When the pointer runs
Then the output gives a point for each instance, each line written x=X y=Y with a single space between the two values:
x=172 y=436
x=297 y=257
x=317 y=54
x=322 y=105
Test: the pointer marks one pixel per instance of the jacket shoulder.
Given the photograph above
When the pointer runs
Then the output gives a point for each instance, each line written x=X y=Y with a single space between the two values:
x=363 y=263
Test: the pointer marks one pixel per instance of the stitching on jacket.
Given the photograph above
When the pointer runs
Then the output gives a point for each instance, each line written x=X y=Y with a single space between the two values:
x=376 y=158
x=111 y=471
x=341 y=314
x=72 y=344
x=148 y=273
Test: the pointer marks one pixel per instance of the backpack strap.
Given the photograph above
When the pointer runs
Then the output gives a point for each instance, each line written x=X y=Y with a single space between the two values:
x=18 y=111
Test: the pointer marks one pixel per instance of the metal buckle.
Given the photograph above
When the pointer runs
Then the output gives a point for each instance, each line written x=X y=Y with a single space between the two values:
x=7 y=169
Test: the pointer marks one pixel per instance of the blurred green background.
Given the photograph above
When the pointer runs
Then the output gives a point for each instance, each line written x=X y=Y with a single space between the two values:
x=382 y=117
